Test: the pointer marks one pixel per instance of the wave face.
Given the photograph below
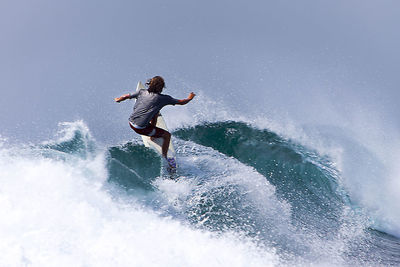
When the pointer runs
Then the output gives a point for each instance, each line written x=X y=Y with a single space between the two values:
x=307 y=181
x=320 y=208
x=244 y=197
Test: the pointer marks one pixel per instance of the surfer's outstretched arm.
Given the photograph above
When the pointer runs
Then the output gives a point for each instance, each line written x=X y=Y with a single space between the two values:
x=126 y=96
x=122 y=98
x=187 y=100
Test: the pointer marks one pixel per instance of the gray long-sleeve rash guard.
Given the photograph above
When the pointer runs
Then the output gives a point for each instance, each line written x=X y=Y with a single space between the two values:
x=147 y=105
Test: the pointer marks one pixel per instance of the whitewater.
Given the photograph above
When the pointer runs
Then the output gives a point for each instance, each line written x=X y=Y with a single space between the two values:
x=247 y=195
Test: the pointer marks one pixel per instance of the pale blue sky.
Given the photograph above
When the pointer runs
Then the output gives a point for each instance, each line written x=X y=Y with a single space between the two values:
x=66 y=60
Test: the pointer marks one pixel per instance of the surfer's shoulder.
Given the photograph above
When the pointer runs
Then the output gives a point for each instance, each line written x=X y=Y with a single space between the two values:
x=164 y=95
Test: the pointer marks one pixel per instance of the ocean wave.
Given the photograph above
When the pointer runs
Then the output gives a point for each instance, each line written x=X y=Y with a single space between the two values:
x=244 y=196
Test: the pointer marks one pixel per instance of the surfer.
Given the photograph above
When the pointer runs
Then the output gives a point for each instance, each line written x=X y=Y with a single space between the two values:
x=146 y=110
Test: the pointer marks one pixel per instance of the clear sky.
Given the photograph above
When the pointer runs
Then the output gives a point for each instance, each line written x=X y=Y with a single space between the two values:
x=314 y=61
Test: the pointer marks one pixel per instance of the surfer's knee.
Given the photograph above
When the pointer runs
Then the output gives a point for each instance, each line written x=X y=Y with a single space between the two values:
x=167 y=135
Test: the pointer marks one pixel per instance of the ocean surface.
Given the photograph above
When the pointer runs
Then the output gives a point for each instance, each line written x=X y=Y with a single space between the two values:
x=243 y=196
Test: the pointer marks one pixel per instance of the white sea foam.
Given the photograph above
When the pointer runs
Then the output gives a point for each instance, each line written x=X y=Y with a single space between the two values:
x=375 y=186
x=56 y=213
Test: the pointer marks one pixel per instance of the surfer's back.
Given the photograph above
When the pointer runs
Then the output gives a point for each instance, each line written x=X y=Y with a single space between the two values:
x=149 y=104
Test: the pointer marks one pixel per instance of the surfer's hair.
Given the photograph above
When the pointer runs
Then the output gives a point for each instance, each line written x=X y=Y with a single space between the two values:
x=156 y=84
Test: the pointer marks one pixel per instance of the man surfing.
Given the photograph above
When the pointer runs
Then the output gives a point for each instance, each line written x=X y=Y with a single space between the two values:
x=146 y=110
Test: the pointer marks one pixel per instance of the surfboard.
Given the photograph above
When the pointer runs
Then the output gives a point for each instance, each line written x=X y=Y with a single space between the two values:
x=157 y=143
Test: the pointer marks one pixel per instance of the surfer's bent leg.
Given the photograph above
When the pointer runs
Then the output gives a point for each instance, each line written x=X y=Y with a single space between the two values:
x=155 y=132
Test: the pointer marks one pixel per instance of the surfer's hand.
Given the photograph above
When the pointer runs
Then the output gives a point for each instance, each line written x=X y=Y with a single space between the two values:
x=187 y=100
x=191 y=95
x=122 y=98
